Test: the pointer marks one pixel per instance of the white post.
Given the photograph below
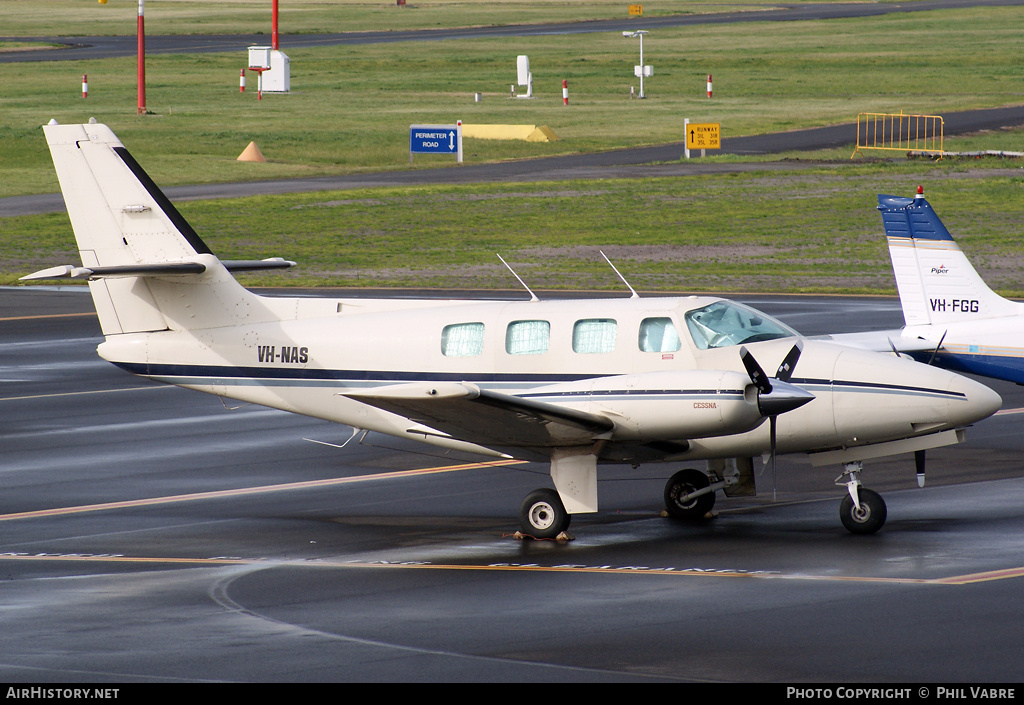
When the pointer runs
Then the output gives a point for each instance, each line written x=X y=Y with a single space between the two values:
x=639 y=70
x=642 y=66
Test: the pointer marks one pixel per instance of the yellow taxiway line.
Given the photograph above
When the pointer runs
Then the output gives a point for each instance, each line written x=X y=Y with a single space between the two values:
x=217 y=494
x=623 y=570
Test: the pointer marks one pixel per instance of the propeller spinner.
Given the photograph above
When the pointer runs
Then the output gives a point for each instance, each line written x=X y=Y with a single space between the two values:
x=780 y=397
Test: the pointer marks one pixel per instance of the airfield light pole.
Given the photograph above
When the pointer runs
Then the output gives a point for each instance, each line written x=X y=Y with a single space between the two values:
x=630 y=35
x=142 y=58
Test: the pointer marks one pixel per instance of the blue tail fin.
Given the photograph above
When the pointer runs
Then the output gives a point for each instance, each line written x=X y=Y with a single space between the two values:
x=936 y=282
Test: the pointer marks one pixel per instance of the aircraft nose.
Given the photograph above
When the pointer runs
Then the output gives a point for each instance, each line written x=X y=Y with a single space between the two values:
x=981 y=401
x=891 y=396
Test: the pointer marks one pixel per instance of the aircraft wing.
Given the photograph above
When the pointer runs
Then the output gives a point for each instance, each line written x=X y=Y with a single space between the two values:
x=487 y=418
x=881 y=341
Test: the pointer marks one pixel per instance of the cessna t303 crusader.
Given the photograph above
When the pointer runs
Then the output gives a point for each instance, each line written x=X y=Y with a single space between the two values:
x=571 y=383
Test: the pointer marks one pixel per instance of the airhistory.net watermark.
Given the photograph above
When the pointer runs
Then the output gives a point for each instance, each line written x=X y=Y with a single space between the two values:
x=38 y=693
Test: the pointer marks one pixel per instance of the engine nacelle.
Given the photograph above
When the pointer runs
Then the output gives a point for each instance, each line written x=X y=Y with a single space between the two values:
x=666 y=405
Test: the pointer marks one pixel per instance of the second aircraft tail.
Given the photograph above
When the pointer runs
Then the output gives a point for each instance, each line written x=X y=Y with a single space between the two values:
x=936 y=282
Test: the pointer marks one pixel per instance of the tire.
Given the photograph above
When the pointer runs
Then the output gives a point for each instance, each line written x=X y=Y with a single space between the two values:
x=871 y=516
x=682 y=483
x=542 y=514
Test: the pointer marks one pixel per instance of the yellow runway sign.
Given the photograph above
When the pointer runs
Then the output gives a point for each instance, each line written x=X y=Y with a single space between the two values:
x=706 y=135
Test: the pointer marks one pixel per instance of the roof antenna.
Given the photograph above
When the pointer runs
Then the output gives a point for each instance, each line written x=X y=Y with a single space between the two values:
x=533 y=297
x=632 y=291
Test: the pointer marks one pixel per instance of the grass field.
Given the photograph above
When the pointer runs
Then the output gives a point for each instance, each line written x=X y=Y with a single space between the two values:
x=55 y=17
x=350 y=109
x=804 y=231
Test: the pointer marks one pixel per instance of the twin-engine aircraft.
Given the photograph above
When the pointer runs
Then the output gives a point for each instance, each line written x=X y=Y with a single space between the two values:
x=573 y=383
x=953 y=319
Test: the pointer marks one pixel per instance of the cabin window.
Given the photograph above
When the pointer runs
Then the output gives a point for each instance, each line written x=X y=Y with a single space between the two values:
x=658 y=335
x=725 y=323
x=594 y=335
x=527 y=337
x=462 y=340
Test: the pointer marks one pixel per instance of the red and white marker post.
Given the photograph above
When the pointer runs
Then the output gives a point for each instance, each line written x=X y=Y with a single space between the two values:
x=241 y=81
x=141 y=61
x=709 y=85
x=85 y=86
x=565 y=91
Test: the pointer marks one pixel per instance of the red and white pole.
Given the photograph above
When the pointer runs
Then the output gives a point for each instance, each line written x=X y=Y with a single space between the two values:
x=241 y=82
x=565 y=92
x=709 y=85
x=142 y=59
x=85 y=86
x=273 y=32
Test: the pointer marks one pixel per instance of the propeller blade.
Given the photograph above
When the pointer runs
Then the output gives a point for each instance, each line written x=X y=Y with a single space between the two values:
x=772 y=420
x=757 y=375
x=785 y=372
x=776 y=399
x=936 y=350
x=893 y=346
x=781 y=397
x=919 y=465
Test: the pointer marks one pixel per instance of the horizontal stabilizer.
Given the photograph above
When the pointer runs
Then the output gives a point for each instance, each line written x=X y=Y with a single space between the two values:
x=67 y=271
x=256 y=265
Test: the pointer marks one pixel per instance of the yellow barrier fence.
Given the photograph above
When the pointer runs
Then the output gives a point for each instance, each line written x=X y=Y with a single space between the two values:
x=903 y=133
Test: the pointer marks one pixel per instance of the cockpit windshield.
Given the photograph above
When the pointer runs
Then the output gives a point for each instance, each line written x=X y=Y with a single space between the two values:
x=726 y=323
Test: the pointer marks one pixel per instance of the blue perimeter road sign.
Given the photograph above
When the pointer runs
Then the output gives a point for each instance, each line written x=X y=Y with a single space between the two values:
x=435 y=139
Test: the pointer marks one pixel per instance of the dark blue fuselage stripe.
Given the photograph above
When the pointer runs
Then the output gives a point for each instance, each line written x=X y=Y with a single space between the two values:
x=214 y=373
x=319 y=375
x=1002 y=367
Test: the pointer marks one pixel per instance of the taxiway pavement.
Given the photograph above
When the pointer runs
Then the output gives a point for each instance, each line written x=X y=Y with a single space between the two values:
x=153 y=534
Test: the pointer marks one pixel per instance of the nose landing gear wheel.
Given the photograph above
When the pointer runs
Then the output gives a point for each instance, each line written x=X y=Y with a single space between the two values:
x=542 y=514
x=679 y=505
x=866 y=520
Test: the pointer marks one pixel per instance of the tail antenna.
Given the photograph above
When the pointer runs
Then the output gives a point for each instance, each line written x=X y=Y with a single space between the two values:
x=533 y=297
x=619 y=274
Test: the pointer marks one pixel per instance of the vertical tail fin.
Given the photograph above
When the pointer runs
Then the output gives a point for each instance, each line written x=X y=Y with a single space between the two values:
x=936 y=282
x=146 y=264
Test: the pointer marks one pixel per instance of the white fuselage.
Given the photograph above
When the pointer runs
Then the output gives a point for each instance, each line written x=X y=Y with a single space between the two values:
x=669 y=390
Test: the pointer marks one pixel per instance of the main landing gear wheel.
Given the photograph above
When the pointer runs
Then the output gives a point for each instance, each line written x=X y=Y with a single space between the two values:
x=542 y=514
x=688 y=508
x=869 y=518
